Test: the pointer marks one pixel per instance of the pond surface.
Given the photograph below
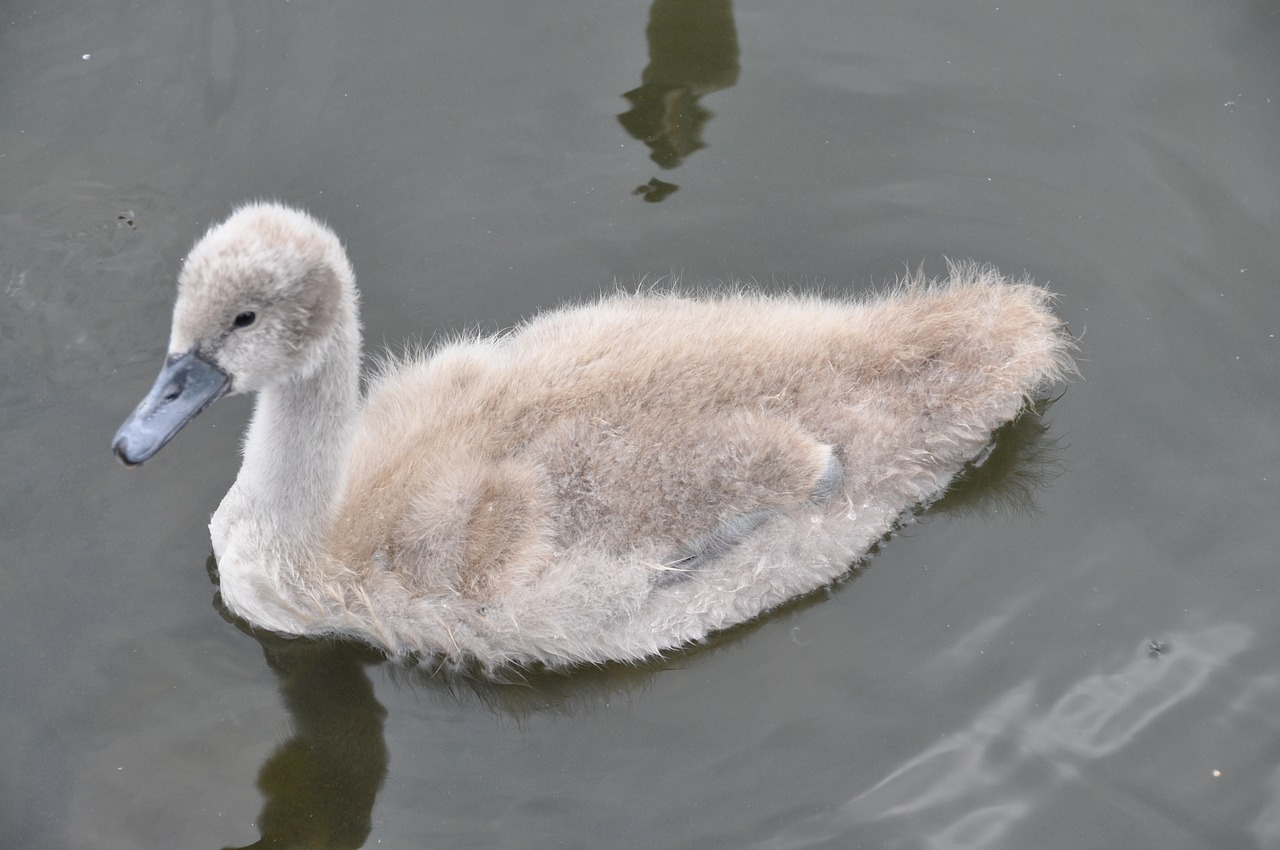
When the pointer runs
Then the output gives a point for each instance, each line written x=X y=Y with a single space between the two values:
x=1091 y=666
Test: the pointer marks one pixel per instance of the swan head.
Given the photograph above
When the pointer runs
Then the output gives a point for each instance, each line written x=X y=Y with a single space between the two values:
x=261 y=298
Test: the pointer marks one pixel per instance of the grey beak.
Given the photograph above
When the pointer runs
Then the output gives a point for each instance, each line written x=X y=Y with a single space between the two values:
x=186 y=385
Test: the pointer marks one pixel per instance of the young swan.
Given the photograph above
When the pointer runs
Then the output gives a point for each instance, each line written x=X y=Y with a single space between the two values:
x=606 y=482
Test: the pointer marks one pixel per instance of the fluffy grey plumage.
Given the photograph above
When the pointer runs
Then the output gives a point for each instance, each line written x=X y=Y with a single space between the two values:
x=607 y=481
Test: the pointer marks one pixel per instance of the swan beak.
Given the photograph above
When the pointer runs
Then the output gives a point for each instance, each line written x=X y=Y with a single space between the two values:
x=186 y=385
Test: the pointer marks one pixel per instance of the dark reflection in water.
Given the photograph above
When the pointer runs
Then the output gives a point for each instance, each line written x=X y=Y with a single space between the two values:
x=320 y=785
x=693 y=51
x=1021 y=459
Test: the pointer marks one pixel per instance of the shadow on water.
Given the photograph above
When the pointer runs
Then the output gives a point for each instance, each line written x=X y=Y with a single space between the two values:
x=693 y=52
x=321 y=784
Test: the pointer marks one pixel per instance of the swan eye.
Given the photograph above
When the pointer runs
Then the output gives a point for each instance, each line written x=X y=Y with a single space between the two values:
x=248 y=317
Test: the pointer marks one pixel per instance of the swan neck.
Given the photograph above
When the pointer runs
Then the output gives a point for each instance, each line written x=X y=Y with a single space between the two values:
x=297 y=448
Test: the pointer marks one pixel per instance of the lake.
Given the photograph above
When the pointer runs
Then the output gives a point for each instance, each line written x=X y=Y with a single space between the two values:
x=1083 y=657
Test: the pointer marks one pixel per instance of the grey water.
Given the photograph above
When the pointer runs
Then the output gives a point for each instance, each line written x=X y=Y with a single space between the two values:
x=1089 y=660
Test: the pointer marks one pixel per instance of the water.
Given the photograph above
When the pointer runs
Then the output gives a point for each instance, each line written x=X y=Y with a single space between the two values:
x=990 y=681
